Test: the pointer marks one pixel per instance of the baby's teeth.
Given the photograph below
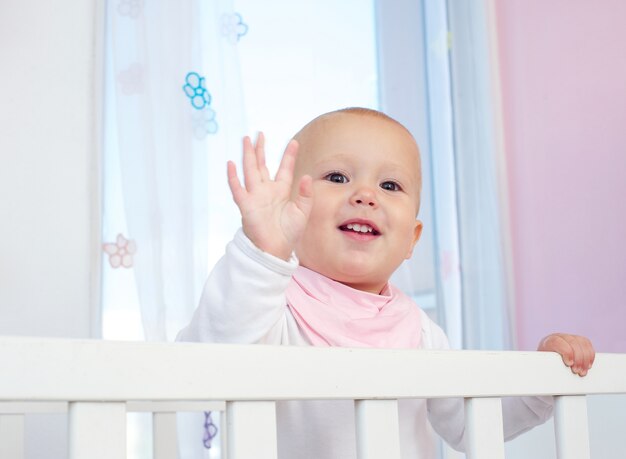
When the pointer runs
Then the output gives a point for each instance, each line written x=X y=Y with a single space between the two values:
x=359 y=228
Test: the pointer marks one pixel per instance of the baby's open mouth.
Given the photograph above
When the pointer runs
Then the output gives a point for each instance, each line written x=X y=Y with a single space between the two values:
x=359 y=228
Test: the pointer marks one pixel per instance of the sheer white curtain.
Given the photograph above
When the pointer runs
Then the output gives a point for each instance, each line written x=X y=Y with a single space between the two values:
x=173 y=117
x=482 y=193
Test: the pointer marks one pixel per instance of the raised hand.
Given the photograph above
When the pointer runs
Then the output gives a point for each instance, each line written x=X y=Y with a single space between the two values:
x=271 y=219
x=576 y=351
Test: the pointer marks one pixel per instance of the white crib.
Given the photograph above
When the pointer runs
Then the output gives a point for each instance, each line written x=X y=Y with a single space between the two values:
x=97 y=382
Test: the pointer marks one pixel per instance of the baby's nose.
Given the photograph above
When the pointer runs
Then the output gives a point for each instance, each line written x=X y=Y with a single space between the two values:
x=364 y=197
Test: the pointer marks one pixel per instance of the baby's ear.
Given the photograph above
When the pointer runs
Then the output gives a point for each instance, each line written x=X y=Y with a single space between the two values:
x=417 y=233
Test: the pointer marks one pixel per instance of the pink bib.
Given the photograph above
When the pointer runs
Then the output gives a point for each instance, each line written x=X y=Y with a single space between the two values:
x=330 y=313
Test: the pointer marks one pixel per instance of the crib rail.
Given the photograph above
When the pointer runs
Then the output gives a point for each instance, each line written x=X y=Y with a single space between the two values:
x=98 y=379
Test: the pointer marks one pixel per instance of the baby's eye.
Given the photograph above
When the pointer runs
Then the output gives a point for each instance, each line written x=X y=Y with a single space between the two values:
x=390 y=186
x=336 y=177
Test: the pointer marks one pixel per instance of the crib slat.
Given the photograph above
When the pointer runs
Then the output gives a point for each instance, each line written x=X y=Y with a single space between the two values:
x=12 y=436
x=164 y=436
x=251 y=430
x=223 y=427
x=97 y=430
x=377 y=429
x=484 y=430
x=571 y=427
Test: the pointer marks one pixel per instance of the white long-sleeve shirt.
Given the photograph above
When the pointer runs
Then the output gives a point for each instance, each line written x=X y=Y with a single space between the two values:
x=244 y=302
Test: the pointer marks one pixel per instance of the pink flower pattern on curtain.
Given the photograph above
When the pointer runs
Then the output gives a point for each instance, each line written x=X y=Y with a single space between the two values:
x=120 y=252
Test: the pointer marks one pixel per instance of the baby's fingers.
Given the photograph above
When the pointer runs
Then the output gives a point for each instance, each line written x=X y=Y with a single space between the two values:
x=288 y=163
x=251 y=173
x=576 y=351
x=236 y=189
x=584 y=355
x=578 y=366
x=260 y=157
x=304 y=199
x=557 y=343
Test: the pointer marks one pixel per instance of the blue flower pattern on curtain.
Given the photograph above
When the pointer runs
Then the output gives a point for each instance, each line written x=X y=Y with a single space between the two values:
x=204 y=119
x=195 y=88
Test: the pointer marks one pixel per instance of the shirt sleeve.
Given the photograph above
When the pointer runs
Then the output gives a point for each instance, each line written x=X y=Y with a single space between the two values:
x=243 y=299
x=447 y=415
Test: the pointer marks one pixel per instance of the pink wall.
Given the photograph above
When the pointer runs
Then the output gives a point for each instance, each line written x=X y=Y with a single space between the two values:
x=564 y=93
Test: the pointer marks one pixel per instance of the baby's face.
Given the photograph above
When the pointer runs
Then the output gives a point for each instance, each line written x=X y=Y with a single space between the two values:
x=366 y=182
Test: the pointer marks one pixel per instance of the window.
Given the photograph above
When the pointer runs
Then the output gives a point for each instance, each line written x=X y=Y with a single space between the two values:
x=302 y=59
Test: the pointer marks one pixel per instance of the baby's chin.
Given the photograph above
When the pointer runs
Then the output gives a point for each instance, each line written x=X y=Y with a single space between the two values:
x=355 y=279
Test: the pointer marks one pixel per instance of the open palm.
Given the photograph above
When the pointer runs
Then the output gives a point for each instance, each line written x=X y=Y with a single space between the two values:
x=270 y=218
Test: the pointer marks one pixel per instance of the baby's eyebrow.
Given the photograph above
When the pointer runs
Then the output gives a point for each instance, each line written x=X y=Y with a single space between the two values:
x=345 y=159
x=395 y=170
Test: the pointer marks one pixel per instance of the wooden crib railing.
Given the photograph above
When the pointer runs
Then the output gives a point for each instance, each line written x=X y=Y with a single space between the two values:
x=99 y=380
x=164 y=426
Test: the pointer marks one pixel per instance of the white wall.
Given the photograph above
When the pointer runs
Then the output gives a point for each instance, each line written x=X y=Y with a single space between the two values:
x=49 y=210
x=47 y=163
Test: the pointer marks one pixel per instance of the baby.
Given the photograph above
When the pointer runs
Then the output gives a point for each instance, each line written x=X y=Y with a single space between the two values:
x=311 y=266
